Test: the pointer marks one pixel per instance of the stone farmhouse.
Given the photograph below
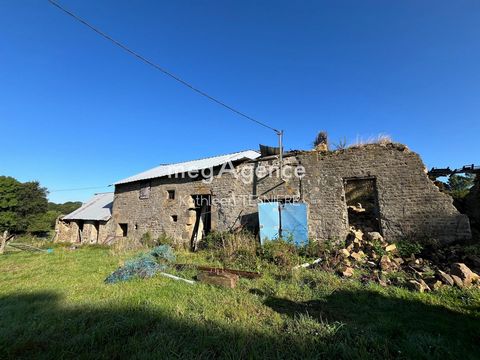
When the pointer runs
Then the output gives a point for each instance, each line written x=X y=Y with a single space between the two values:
x=377 y=187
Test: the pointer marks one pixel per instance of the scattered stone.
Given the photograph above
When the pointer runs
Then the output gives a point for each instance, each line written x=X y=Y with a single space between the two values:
x=345 y=252
x=357 y=245
x=463 y=272
x=457 y=281
x=399 y=261
x=385 y=263
x=436 y=285
x=358 y=234
x=375 y=236
x=419 y=285
x=356 y=256
x=422 y=274
x=391 y=248
x=357 y=209
x=347 y=272
x=445 y=278
x=424 y=285
x=382 y=282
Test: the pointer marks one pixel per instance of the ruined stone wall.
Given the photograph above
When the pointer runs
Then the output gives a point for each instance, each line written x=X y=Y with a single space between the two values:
x=410 y=205
x=89 y=233
x=107 y=229
x=68 y=231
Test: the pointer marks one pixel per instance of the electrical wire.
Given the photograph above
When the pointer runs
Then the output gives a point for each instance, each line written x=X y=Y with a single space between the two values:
x=158 y=67
x=77 y=189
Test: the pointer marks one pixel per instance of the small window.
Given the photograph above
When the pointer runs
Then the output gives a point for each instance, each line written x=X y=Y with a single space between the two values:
x=171 y=194
x=145 y=191
x=174 y=218
x=124 y=229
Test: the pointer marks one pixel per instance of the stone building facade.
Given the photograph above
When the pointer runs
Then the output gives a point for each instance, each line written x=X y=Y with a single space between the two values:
x=405 y=202
x=90 y=224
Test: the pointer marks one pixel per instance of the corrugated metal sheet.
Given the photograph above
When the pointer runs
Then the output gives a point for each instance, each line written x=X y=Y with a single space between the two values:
x=98 y=208
x=178 y=168
x=294 y=222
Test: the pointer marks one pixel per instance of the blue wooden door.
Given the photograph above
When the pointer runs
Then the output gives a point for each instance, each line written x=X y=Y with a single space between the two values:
x=269 y=221
x=294 y=223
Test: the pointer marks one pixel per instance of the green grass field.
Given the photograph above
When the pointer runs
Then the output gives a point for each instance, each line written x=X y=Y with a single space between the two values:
x=57 y=306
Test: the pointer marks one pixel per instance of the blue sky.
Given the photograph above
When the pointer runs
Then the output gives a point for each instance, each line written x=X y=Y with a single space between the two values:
x=77 y=112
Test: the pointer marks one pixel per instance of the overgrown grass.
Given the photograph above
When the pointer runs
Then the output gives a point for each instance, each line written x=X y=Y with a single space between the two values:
x=57 y=306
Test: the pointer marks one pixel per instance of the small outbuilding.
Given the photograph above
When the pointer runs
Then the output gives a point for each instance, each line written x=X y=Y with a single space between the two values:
x=88 y=224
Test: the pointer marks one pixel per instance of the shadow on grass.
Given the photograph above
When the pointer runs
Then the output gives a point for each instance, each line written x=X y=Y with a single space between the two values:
x=37 y=326
x=374 y=326
x=394 y=327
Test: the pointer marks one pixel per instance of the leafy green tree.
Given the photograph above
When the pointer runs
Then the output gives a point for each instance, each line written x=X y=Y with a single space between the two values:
x=20 y=203
x=9 y=188
x=459 y=185
x=42 y=223
x=65 y=208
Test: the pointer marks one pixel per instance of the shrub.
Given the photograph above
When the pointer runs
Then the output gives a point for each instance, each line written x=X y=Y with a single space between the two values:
x=214 y=240
x=407 y=248
x=147 y=240
x=323 y=249
x=238 y=249
x=165 y=239
x=377 y=248
x=229 y=242
x=280 y=252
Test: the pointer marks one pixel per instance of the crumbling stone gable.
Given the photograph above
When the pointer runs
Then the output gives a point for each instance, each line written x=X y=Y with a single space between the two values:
x=410 y=204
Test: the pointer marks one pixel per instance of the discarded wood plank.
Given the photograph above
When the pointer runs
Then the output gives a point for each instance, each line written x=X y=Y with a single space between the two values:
x=242 y=273
x=223 y=279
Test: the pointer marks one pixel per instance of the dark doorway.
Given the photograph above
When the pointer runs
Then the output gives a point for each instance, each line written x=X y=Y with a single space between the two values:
x=124 y=229
x=203 y=221
x=80 y=231
x=362 y=204
x=97 y=230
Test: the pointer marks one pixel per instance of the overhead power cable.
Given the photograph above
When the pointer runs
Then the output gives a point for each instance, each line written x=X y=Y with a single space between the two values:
x=158 y=67
x=78 y=189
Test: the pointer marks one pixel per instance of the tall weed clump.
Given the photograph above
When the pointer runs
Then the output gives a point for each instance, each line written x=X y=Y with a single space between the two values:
x=237 y=249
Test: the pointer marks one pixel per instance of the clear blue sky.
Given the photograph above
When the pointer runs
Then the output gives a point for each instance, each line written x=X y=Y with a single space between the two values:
x=75 y=111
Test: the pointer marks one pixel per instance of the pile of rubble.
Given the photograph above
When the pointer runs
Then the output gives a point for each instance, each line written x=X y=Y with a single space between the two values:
x=369 y=251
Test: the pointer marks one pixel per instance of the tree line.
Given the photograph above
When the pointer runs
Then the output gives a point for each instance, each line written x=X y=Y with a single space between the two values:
x=24 y=207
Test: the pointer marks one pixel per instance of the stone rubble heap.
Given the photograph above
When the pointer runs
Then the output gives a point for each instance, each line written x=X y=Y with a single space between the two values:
x=369 y=251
